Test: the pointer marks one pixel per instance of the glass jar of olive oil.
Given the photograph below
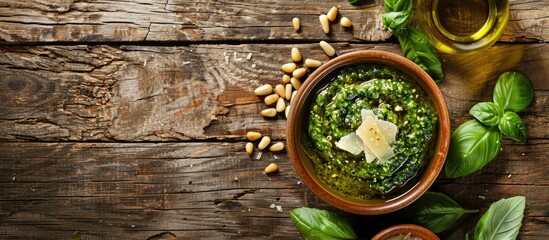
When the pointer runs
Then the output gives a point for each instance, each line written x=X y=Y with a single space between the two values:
x=462 y=26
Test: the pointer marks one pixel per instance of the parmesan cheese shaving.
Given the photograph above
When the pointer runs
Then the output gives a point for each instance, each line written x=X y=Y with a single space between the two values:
x=355 y=144
x=350 y=143
x=373 y=139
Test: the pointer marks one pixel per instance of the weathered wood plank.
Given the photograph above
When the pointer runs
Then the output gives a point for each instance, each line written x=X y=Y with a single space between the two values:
x=140 y=93
x=181 y=20
x=137 y=190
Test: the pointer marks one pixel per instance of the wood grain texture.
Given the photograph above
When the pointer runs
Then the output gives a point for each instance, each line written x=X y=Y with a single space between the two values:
x=210 y=191
x=140 y=93
x=182 y=20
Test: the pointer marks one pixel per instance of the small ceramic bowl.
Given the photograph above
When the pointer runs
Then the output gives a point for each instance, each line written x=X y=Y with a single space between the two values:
x=303 y=164
x=404 y=229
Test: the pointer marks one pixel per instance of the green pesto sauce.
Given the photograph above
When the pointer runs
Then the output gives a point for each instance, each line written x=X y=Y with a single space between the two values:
x=335 y=112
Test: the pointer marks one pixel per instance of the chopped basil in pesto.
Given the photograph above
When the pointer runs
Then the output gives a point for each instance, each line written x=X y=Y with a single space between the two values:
x=336 y=112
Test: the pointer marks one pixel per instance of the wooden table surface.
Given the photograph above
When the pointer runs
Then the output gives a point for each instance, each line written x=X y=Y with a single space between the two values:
x=126 y=119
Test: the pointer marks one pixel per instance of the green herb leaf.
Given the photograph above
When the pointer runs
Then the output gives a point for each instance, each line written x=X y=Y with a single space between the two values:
x=513 y=91
x=320 y=224
x=502 y=221
x=415 y=46
x=395 y=21
x=512 y=126
x=472 y=146
x=487 y=112
x=397 y=5
x=436 y=211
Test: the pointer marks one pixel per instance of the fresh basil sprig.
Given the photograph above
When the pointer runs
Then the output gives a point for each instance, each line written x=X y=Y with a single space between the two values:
x=477 y=142
x=417 y=48
x=413 y=42
x=513 y=91
x=397 y=5
x=436 y=211
x=472 y=146
x=320 y=224
x=487 y=112
x=502 y=221
x=513 y=127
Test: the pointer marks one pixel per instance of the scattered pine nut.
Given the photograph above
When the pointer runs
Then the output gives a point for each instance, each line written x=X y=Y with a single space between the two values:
x=264 y=142
x=271 y=168
x=287 y=111
x=296 y=55
x=276 y=147
x=271 y=99
x=286 y=78
x=293 y=95
x=252 y=136
x=312 y=63
x=280 y=90
x=280 y=105
x=332 y=14
x=288 y=91
x=288 y=67
x=299 y=73
x=249 y=148
x=295 y=83
x=297 y=24
x=263 y=90
x=269 y=112
x=328 y=49
x=345 y=22
x=324 y=23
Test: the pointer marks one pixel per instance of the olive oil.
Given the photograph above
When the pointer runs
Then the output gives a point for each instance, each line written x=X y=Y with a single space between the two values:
x=462 y=26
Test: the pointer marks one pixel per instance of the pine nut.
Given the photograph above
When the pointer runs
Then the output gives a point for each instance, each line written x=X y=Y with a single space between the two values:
x=297 y=24
x=269 y=112
x=324 y=23
x=280 y=105
x=296 y=55
x=287 y=111
x=312 y=63
x=288 y=67
x=299 y=73
x=264 y=142
x=271 y=168
x=263 y=90
x=295 y=83
x=249 y=148
x=271 y=99
x=280 y=90
x=293 y=95
x=328 y=49
x=345 y=22
x=286 y=78
x=276 y=147
x=332 y=14
x=252 y=136
x=288 y=91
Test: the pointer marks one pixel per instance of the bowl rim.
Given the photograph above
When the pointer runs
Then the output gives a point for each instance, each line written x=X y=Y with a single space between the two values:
x=415 y=230
x=357 y=206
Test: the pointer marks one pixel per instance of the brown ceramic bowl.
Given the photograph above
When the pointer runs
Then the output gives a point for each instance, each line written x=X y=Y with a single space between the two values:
x=303 y=164
x=414 y=230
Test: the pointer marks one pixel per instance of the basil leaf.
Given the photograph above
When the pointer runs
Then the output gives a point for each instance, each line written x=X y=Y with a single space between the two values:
x=487 y=112
x=436 y=211
x=320 y=224
x=472 y=146
x=512 y=126
x=513 y=91
x=395 y=21
x=415 y=46
x=502 y=221
x=397 y=5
